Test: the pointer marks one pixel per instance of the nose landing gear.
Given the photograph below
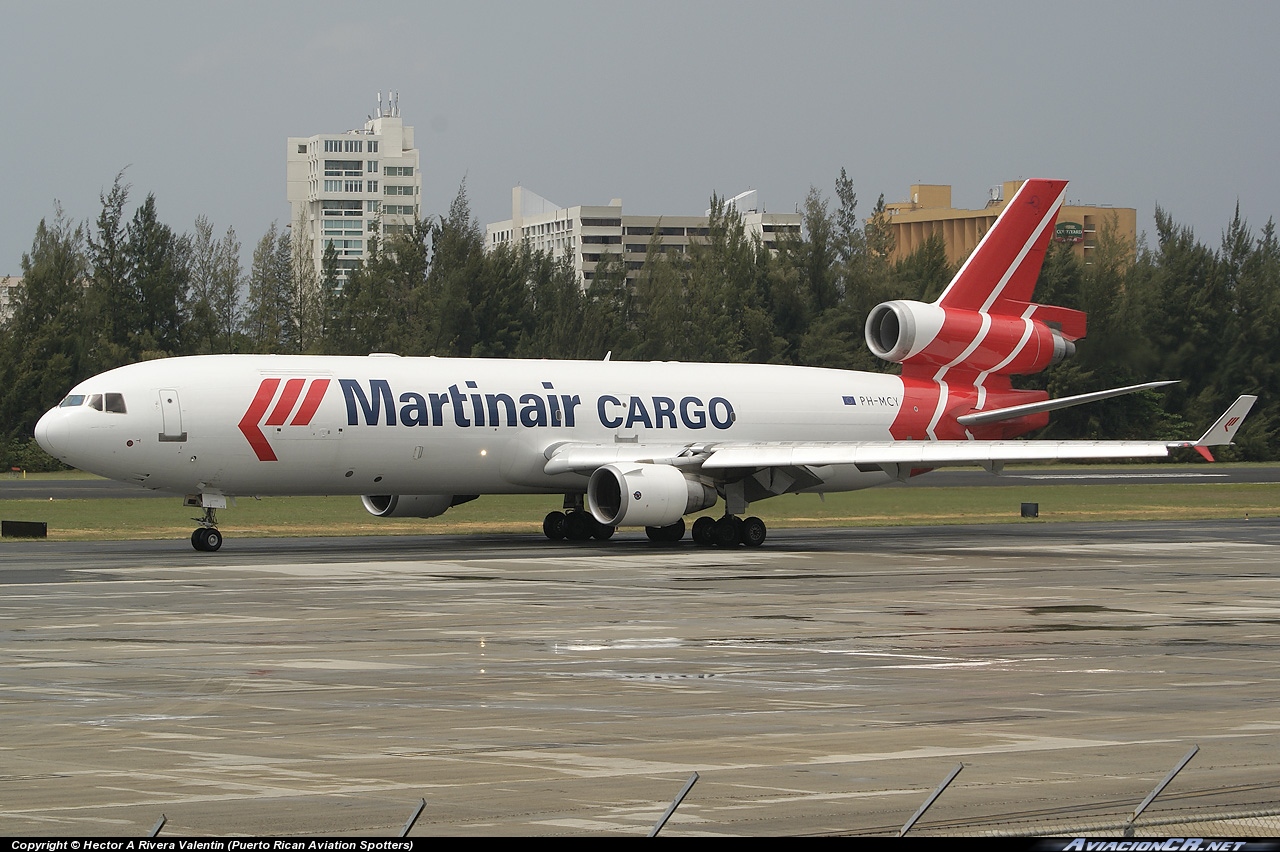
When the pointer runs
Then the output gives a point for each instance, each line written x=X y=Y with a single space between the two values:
x=207 y=537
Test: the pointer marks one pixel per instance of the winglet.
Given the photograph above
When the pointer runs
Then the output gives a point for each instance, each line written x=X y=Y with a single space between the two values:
x=1223 y=431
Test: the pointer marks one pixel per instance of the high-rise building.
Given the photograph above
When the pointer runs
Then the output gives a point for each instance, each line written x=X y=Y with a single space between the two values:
x=586 y=234
x=9 y=286
x=346 y=188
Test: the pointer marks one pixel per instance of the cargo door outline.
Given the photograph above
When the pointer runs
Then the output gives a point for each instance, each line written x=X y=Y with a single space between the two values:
x=171 y=416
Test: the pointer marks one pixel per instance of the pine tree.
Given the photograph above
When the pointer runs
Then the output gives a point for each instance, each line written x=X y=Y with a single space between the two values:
x=111 y=302
x=43 y=350
x=269 y=318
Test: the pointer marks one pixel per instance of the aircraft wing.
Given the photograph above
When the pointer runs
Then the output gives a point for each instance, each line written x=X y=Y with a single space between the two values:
x=584 y=458
x=572 y=457
x=895 y=457
x=926 y=453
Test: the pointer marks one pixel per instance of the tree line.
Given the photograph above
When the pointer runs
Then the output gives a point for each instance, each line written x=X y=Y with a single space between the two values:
x=123 y=289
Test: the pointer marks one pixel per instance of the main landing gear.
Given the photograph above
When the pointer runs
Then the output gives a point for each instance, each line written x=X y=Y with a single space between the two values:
x=207 y=537
x=729 y=531
x=576 y=525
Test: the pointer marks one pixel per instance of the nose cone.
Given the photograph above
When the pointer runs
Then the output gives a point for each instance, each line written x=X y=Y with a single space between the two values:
x=52 y=433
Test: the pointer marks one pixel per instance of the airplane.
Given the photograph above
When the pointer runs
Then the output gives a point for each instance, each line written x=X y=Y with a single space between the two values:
x=627 y=443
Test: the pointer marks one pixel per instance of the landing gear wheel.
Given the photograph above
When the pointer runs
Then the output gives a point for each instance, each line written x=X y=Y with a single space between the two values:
x=702 y=531
x=579 y=526
x=553 y=526
x=727 y=532
x=753 y=532
x=668 y=534
x=603 y=532
x=206 y=539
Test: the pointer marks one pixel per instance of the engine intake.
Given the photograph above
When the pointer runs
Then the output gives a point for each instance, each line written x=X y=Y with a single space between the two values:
x=413 y=505
x=646 y=495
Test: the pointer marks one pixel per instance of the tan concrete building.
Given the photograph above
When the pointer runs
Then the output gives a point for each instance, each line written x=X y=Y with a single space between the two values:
x=587 y=233
x=929 y=211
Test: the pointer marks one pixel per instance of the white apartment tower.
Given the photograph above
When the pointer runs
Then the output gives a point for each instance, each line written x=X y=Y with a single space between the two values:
x=345 y=188
x=586 y=234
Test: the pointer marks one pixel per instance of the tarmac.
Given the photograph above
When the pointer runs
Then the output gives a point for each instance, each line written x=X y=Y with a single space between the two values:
x=824 y=684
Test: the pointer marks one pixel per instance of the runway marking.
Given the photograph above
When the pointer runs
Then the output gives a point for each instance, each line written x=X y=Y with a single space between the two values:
x=1014 y=743
x=1115 y=475
x=579 y=764
x=1158 y=547
x=489 y=567
x=335 y=665
x=618 y=645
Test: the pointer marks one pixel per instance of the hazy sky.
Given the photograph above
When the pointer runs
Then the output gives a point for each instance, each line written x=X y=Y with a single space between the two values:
x=657 y=103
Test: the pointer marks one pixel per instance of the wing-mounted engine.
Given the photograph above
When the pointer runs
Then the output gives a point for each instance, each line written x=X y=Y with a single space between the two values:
x=932 y=336
x=647 y=495
x=413 y=505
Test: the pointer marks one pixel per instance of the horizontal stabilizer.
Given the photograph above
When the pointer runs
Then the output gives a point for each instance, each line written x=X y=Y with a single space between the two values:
x=997 y=414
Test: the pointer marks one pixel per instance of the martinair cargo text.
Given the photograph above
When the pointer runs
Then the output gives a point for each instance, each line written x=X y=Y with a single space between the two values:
x=626 y=443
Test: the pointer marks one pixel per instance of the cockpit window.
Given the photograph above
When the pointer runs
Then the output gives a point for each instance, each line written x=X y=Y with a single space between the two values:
x=112 y=402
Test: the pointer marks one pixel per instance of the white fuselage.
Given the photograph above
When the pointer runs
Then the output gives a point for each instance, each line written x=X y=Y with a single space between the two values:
x=279 y=425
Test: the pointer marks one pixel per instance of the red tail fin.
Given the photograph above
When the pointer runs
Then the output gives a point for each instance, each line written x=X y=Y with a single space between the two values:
x=958 y=353
x=1004 y=266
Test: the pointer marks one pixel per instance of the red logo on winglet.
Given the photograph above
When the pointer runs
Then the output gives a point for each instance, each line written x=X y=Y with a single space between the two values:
x=249 y=424
x=1232 y=422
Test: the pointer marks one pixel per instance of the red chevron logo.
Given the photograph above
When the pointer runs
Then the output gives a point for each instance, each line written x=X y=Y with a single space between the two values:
x=252 y=421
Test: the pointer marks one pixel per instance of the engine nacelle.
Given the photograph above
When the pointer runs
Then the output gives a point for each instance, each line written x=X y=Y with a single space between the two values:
x=909 y=332
x=646 y=495
x=413 y=505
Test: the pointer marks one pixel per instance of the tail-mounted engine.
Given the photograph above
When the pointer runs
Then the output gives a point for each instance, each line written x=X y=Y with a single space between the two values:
x=646 y=495
x=931 y=335
x=413 y=505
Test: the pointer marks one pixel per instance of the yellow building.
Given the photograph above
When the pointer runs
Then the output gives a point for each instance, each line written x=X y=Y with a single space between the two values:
x=930 y=212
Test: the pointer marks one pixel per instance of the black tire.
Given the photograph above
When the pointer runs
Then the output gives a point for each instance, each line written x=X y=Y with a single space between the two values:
x=753 y=532
x=603 y=532
x=668 y=534
x=197 y=539
x=702 y=531
x=212 y=540
x=726 y=532
x=579 y=526
x=553 y=526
